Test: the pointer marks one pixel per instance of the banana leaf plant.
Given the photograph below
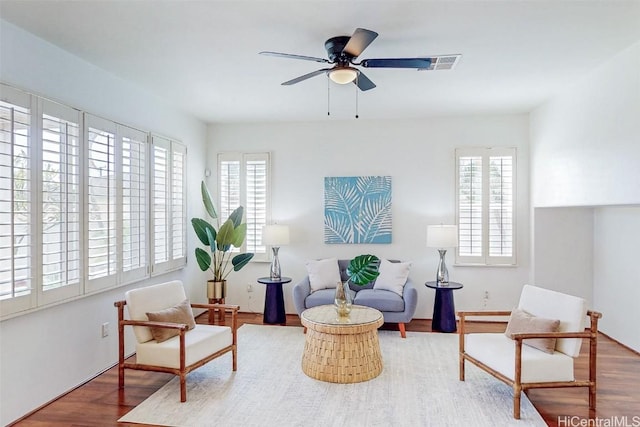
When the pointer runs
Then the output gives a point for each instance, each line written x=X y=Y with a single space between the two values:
x=363 y=269
x=218 y=244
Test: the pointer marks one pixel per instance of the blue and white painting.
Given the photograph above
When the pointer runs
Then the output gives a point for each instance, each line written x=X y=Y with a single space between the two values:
x=357 y=209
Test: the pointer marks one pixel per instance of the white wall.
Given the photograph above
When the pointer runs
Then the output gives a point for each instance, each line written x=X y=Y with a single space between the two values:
x=418 y=155
x=564 y=264
x=585 y=143
x=48 y=352
x=617 y=272
x=584 y=152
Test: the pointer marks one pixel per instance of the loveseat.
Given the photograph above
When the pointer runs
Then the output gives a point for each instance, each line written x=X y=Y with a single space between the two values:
x=394 y=307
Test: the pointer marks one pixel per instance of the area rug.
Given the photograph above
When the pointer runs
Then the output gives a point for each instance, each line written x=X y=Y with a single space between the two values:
x=418 y=386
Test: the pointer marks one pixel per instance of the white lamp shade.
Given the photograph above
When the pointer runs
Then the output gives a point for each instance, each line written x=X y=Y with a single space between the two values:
x=442 y=236
x=343 y=75
x=275 y=235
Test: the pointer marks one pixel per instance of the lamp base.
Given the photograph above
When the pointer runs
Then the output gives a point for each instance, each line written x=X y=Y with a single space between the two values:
x=274 y=272
x=442 y=276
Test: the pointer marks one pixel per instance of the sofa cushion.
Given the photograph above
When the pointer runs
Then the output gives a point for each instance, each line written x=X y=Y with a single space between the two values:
x=393 y=276
x=522 y=322
x=180 y=313
x=497 y=351
x=323 y=274
x=380 y=300
x=200 y=342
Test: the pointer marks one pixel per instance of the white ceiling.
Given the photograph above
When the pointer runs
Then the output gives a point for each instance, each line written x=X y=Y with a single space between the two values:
x=203 y=55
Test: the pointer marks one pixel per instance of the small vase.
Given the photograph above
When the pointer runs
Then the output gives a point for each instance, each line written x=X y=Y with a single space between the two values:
x=342 y=299
x=216 y=289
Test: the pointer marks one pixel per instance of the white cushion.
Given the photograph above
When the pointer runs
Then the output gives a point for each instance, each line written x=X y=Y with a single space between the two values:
x=497 y=351
x=323 y=274
x=200 y=342
x=393 y=276
x=152 y=298
x=569 y=309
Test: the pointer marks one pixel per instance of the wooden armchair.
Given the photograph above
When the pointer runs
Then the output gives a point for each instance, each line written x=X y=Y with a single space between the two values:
x=186 y=348
x=525 y=367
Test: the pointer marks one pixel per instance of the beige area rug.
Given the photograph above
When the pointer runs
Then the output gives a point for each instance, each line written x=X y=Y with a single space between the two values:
x=418 y=386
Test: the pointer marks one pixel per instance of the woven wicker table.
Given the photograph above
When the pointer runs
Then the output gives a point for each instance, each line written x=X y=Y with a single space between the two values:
x=342 y=350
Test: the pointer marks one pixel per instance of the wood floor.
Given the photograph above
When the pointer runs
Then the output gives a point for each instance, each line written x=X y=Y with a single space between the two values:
x=100 y=403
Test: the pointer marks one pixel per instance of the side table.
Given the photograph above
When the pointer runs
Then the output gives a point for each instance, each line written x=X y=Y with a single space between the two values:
x=274 y=313
x=444 y=311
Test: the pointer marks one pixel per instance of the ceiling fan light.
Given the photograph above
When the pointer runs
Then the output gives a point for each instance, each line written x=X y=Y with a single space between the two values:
x=343 y=75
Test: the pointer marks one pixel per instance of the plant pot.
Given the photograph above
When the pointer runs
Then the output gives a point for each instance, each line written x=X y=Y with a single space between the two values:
x=216 y=289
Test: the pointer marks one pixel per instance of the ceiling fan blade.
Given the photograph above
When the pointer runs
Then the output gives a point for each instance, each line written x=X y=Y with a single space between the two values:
x=291 y=56
x=363 y=82
x=305 y=77
x=359 y=41
x=417 y=63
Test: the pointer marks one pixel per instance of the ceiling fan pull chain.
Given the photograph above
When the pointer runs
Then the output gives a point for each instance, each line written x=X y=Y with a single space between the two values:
x=328 y=96
x=357 y=89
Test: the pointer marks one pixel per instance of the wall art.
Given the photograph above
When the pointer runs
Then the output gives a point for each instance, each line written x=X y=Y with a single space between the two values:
x=357 y=209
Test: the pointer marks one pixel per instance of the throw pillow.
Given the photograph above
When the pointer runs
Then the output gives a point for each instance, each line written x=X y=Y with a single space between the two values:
x=522 y=322
x=323 y=274
x=393 y=276
x=180 y=313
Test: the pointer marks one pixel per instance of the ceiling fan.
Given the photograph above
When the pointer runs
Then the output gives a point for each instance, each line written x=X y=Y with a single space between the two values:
x=343 y=52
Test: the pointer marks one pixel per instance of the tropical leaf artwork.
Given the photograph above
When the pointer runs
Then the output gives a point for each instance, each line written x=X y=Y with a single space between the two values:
x=357 y=209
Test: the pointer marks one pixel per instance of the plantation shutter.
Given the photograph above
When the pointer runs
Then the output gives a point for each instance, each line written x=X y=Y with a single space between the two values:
x=256 y=202
x=485 y=182
x=60 y=216
x=501 y=206
x=134 y=203
x=243 y=180
x=16 y=201
x=168 y=200
x=101 y=203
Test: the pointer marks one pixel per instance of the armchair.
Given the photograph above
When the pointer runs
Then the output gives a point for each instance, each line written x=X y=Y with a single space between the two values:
x=524 y=367
x=167 y=346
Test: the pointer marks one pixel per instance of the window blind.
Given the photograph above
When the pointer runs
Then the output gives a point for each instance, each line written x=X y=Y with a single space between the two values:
x=485 y=181
x=101 y=204
x=60 y=199
x=16 y=194
x=134 y=204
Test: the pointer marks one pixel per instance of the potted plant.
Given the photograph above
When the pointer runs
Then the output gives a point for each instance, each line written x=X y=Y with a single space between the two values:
x=361 y=270
x=217 y=256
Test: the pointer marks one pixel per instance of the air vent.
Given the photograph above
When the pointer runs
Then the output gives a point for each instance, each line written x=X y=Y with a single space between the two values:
x=447 y=62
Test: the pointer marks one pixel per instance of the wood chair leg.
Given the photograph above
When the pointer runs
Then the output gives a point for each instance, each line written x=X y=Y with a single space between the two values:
x=461 y=367
x=403 y=332
x=234 y=354
x=517 y=391
x=183 y=387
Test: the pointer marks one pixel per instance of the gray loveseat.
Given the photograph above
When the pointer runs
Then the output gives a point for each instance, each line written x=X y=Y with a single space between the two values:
x=395 y=308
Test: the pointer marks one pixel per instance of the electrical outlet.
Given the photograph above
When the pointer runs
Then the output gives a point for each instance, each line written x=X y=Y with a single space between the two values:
x=486 y=294
x=249 y=288
x=105 y=329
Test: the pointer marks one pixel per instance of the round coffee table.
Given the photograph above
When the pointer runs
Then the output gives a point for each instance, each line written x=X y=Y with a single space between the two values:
x=342 y=350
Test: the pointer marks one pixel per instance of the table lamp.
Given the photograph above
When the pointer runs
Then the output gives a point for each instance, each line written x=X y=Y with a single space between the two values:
x=275 y=236
x=442 y=237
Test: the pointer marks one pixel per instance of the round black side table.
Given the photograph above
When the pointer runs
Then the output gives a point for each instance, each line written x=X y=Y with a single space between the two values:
x=274 y=313
x=444 y=310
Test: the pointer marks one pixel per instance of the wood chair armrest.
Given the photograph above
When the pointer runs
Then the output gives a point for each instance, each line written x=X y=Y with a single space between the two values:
x=529 y=335
x=226 y=307
x=149 y=323
x=484 y=313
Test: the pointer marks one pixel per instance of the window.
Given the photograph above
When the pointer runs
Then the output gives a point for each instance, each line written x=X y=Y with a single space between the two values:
x=16 y=201
x=60 y=211
x=244 y=179
x=168 y=205
x=75 y=213
x=485 y=183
